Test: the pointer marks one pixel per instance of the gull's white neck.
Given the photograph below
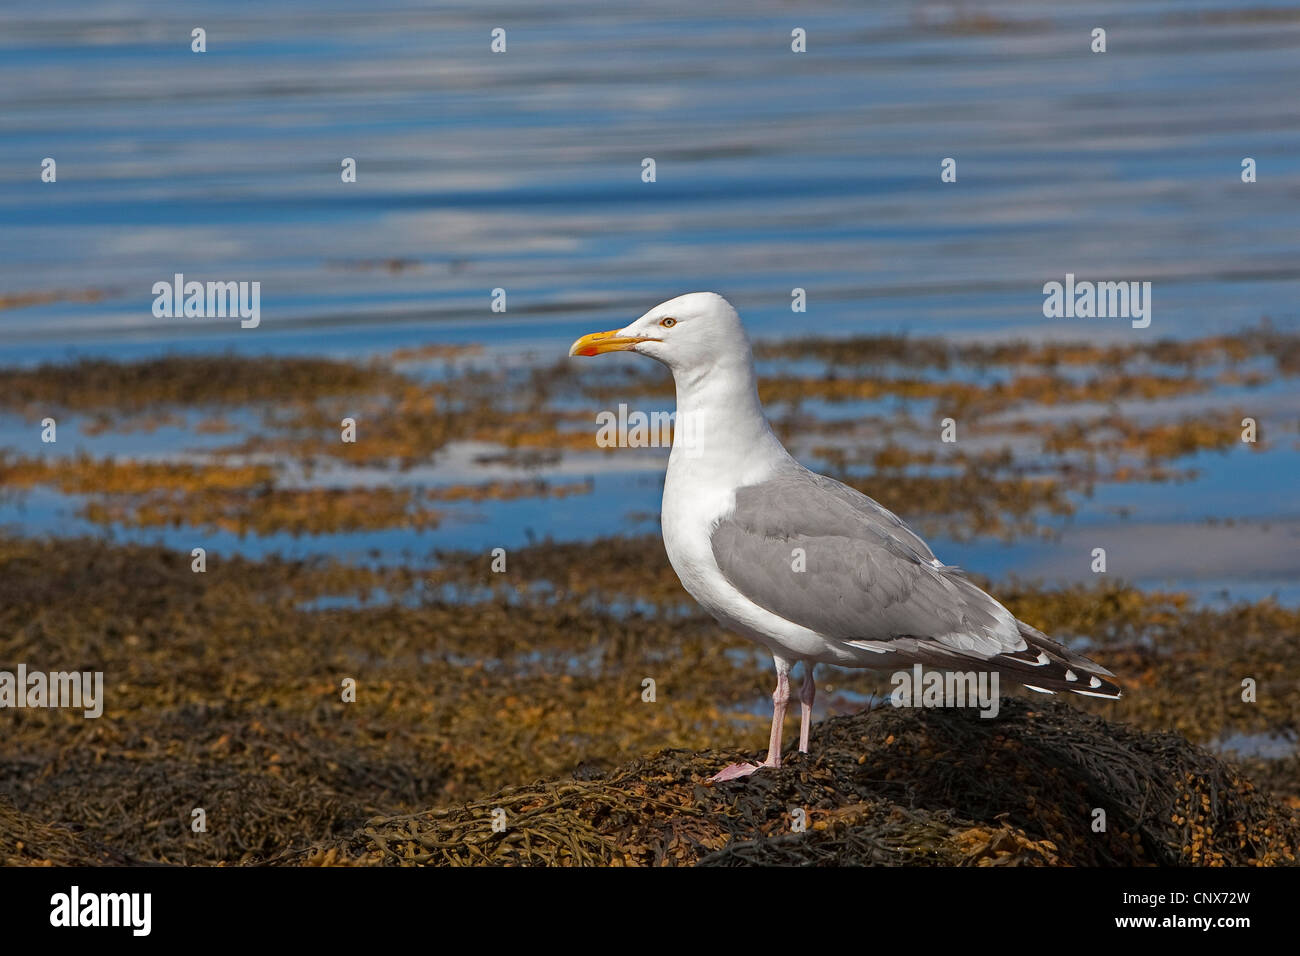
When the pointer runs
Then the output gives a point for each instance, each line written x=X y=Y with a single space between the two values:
x=722 y=437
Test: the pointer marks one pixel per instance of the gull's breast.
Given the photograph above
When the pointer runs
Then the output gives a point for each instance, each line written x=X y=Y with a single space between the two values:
x=694 y=502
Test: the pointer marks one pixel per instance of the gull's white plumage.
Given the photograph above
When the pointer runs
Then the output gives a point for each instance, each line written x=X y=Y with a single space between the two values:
x=735 y=500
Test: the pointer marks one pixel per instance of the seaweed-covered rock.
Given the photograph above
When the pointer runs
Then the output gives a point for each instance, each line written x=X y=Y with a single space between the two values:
x=1042 y=784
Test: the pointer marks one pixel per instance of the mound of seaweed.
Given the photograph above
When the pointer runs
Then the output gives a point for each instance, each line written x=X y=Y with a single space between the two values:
x=1041 y=784
x=26 y=841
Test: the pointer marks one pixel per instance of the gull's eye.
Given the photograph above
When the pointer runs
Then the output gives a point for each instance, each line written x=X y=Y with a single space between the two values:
x=668 y=322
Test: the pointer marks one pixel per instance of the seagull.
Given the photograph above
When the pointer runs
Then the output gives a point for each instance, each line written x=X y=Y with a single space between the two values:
x=811 y=569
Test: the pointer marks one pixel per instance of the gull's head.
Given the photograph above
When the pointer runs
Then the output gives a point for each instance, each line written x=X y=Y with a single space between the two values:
x=690 y=333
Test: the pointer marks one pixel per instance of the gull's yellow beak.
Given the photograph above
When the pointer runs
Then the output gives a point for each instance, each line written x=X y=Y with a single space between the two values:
x=599 y=342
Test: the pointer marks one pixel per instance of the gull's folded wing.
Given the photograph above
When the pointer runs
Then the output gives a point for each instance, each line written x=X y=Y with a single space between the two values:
x=818 y=553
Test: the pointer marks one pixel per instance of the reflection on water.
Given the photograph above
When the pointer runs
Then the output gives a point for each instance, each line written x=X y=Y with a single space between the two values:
x=522 y=170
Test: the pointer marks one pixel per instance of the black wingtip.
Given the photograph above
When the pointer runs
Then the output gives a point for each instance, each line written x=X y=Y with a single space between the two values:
x=1049 y=668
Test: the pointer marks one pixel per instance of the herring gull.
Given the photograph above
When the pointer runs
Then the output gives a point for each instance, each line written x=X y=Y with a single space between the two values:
x=737 y=507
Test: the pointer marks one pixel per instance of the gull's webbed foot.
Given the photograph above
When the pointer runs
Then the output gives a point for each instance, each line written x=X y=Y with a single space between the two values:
x=737 y=770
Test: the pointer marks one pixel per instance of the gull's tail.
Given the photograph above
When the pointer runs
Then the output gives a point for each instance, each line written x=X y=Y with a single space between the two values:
x=1047 y=667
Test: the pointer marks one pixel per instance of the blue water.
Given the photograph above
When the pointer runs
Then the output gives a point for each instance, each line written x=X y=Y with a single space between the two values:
x=522 y=170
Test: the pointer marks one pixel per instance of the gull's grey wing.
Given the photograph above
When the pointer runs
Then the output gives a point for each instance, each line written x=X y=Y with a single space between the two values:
x=868 y=581
x=871 y=510
x=871 y=585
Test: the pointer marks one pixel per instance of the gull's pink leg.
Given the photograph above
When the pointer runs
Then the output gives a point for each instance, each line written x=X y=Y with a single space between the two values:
x=780 y=697
x=806 y=695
